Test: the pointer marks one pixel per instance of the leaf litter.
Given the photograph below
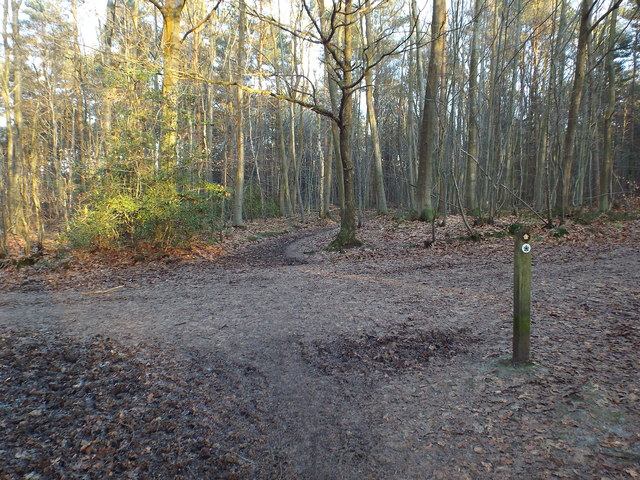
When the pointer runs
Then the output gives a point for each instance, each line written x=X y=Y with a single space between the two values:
x=283 y=360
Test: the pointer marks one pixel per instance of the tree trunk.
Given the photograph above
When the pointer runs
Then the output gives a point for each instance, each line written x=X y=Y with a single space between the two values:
x=79 y=103
x=9 y=175
x=381 y=199
x=472 y=123
x=239 y=183
x=332 y=85
x=171 y=43
x=607 y=160
x=428 y=145
x=286 y=208
x=284 y=188
x=347 y=235
x=106 y=101
x=574 y=105
x=20 y=166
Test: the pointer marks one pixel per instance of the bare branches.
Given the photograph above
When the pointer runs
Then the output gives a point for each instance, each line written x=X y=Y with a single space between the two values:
x=158 y=5
x=502 y=185
x=301 y=34
x=314 y=107
x=164 y=10
x=202 y=22
x=613 y=7
x=337 y=20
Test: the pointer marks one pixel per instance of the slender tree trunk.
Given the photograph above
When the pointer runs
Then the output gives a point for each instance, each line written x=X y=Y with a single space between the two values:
x=106 y=101
x=542 y=183
x=327 y=177
x=492 y=150
x=420 y=78
x=79 y=104
x=607 y=160
x=4 y=225
x=322 y=207
x=35 y=190
x=284 y=190
x=472 y=122
x=574 y=105
x=286 y=208
x=542 y=146
x=414 y=105
x=9 y=171
x=381 y=199
x=20 y=166
x=428 y=145
x=239 y=183
x=332 y=83
x=171 y=43
x=284 y=195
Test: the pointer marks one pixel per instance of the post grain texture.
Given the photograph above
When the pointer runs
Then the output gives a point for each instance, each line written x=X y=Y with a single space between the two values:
x=522 y=297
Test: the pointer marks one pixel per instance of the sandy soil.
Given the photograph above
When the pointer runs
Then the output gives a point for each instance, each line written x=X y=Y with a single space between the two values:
x=287 y=361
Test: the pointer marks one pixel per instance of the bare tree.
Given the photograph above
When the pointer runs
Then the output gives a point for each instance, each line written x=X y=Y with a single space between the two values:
x=239 y=183
x=172 y=40
x=428 y=144
x=584 y=32
x=381 y=199
x=472 y=114
x=607 y=154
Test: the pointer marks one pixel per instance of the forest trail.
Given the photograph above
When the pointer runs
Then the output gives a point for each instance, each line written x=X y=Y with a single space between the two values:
x=377 y=365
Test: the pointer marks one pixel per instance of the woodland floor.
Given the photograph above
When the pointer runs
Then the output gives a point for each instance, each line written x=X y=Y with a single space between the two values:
x=280 y=360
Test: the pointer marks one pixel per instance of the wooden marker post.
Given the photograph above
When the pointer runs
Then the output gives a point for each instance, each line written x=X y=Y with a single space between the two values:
x=522 y=297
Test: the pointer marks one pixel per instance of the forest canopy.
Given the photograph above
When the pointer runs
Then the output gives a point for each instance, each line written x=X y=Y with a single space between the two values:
x=188 y=115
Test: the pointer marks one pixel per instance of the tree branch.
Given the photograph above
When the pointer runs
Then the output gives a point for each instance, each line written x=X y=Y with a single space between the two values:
x=157 y=4
x=309 y=106
x=613 y=7
x=202 y=22
x=303 y=35
x=513 y=194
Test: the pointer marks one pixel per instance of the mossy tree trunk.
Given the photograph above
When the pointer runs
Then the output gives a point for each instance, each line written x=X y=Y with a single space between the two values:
x=171 y=45
x=170 y=59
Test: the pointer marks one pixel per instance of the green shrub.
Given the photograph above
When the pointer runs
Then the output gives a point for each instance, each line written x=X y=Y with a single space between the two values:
x=162 y=216
x=112 y=219
x=514 y=227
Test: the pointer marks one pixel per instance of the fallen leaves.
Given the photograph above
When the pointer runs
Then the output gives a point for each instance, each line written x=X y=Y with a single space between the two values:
x=399 y=349
x=428 y=378
x=72 y=409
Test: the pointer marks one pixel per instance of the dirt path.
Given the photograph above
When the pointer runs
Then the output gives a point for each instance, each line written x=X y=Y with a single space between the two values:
x=376 y=365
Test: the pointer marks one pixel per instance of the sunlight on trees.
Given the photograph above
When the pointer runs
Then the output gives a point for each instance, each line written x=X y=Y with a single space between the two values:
x=299 y=106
